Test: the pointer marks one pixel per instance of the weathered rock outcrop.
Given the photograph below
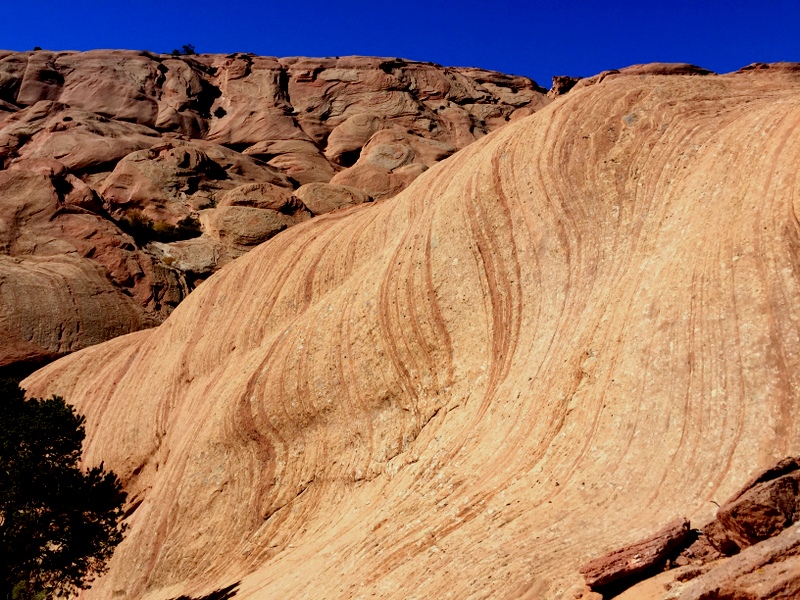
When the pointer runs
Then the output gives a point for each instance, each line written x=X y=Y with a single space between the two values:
x=637 y=558
x=562 y=84
x=104 y=285
x=321 y=198
x=50 y=306
x=762 y=509
x=151 y=149
x=750 y=551
x=545 y=348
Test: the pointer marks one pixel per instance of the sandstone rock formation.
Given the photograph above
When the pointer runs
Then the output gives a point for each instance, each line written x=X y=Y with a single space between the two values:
x=769 y=570
x=761 y=510
x=545 y=348
x=755 y=528
x=57 y=304
x=177 y=165
x=562 y=84
x=321 y=198
x=69 y=277
x=637 y=558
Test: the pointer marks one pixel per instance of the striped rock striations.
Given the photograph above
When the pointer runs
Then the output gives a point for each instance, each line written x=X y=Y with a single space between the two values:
x=549 y=345
x=149 y=149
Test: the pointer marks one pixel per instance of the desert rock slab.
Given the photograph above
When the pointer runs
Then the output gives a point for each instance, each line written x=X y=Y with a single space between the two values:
x=52 y=306
x=637 y=557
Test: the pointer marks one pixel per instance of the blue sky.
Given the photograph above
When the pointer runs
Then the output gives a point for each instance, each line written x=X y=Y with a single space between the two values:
x=536 y=39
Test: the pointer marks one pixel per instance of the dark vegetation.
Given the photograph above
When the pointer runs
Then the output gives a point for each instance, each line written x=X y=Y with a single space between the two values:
x=186 y=50
x=143 y=229
x=59 y=524
x=13 y=374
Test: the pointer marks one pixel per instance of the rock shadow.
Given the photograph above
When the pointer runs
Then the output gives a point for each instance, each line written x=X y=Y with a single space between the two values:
x=220 y=594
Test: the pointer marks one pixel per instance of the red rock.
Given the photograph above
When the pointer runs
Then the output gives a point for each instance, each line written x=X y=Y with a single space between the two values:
x=520 y=113
x=197 y=258
x=378 y=182
x=77 y=194
x=182 y=106
x=152 y=137
x=769 y=569
x=785 y=67
x=41 y=80
x=160 y=182
x=390 y=161
x=6 y=110
x=562 y=84
x=755 y=525
x=245 y=126
x=764 y=507
x=171 y=182
x=269 y=149
x=244 y=225
x=47 y=216
x=12 y=69
x=645 y=69
x=321 y=198
x=303 y=167
x=349 y=137
x=43 y=166
x=261 y=195
x=51 y=306
x=80 y=140
x=25 y=197
x=117 y=84
x=385 y=399
x=637 y=557
x=665 y=69
x=701 y=550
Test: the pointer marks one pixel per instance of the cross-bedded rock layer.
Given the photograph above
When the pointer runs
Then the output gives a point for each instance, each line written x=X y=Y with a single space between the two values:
x=160 y=169
x=550 y=344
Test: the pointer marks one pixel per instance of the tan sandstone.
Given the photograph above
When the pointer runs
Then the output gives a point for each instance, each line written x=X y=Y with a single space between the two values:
x=543 y=349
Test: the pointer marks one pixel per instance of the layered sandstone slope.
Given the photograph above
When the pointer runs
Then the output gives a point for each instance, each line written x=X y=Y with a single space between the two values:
x=548 y=346
x=175 y=165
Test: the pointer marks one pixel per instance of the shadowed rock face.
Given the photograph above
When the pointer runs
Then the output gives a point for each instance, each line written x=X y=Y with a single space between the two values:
x=140 y=156
x=545 y=348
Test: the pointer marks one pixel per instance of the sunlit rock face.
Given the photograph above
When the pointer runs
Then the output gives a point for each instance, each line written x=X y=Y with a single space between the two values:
x=549 y=345
x=136 y=156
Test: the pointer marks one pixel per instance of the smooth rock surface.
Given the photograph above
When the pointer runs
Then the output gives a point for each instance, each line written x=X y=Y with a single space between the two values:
x=543 y=349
